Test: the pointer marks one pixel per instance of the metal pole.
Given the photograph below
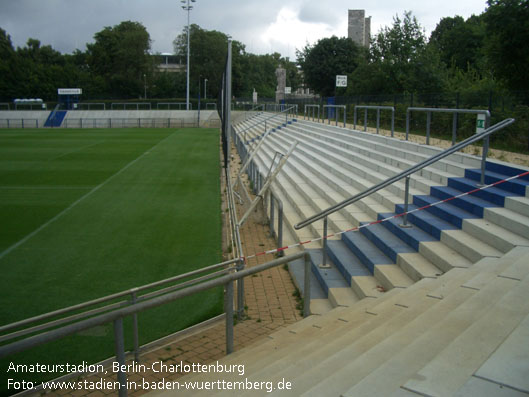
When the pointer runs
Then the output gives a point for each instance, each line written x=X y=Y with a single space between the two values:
x=407 y=123
x=306 y=287
x=454 y=128
x=119 y=344
x=271 y=214
x=392 y=122
x=428 y=121
x=135 y=329
x=228 y=309
x=365 y=119
x=188 y=52
x=378 y=121
x=324 y=253
x=406 y=194
x=485 y=152
x=280 y=227
x=354 y=118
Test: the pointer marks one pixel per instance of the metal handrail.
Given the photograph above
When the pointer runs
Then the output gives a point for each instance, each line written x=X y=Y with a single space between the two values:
x=311 y=107
x=455 y=112
x=336 y=107
x=94 y=302
x=378 y=109
x=118 y=315
x=417 y=167
x=265 y=120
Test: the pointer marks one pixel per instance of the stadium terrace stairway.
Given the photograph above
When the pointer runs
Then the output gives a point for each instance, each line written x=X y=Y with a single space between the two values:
x=436 y=309
x=331 y=164
x=463 y=333
x=55 y=118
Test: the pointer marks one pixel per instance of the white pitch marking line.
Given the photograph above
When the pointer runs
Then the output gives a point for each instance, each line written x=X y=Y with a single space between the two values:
x=44 y=225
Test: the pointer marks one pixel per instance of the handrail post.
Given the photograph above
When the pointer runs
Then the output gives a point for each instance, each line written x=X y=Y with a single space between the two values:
x=228 y=309
x=306 y=287
x=407 y=123
x=428 y=122
x=378 y=121
x=135 y=332
x=454 y=128
x=392 y=122
x=485 y=151
x=280 y=228
x=324 y=244
x=119 y=345
x=365 y=119
x=272 y=233
x=406 y=200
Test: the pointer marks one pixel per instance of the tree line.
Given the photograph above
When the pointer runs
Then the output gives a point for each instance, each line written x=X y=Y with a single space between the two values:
x=483 y=52
x=119 y=65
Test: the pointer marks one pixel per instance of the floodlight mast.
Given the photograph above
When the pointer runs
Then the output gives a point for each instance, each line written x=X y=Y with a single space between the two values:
x=188 y=8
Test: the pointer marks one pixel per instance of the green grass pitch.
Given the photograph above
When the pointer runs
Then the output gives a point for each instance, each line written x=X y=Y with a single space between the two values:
x=89 y=212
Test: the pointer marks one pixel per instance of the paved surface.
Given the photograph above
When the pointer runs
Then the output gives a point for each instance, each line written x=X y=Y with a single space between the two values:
x=270 y=305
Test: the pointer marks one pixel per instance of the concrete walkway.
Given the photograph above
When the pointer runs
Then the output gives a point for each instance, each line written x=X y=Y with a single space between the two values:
x=270 y=305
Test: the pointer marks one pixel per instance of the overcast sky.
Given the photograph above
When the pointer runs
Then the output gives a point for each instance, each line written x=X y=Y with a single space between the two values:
x=264 y=26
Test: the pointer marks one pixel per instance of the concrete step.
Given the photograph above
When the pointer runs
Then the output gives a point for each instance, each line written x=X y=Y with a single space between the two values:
x=468 y=246
x=518 y=204
x=508 y=219
x=493 y=235
x=516 y=186
x=445 y=211
x=332 y=323
x=405 y=149
x=469 y=203
x=351 y=155
x=491 y=194
x=451 y=369
x=426 y=343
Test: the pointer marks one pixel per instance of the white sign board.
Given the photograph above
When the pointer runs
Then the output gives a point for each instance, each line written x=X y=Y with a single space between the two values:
x=341 y=81
x=288 y=90
x=254 y=97
x=70 y=91
x=480 y=123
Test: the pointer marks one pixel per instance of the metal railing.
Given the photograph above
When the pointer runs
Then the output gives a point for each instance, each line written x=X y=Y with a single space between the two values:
x=125 y=104
x=265 y=121
x=80 y=105
x=117 y=316
x=313 y=107
x=336 y=107
x=455 y=112
x=20 y=123
x=279 y=234
x=378 y=109
x=405 y=174
x=179 y=104
x=94 y=307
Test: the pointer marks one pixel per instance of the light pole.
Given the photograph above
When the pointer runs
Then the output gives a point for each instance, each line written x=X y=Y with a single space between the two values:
x=205 y=88
x=144 y=86
x=188 y=8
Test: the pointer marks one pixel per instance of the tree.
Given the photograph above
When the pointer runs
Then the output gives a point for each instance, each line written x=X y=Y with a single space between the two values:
x=326 y=59
x=9 y=71
x=401 y=57
x=507 y=35
x=460 y=42
x=120 y=56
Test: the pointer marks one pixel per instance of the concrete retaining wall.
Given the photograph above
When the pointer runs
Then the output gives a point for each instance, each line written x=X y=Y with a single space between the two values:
x=114 y=118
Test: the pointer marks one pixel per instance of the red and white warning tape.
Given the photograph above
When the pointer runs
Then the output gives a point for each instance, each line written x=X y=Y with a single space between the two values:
x=276 y=250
